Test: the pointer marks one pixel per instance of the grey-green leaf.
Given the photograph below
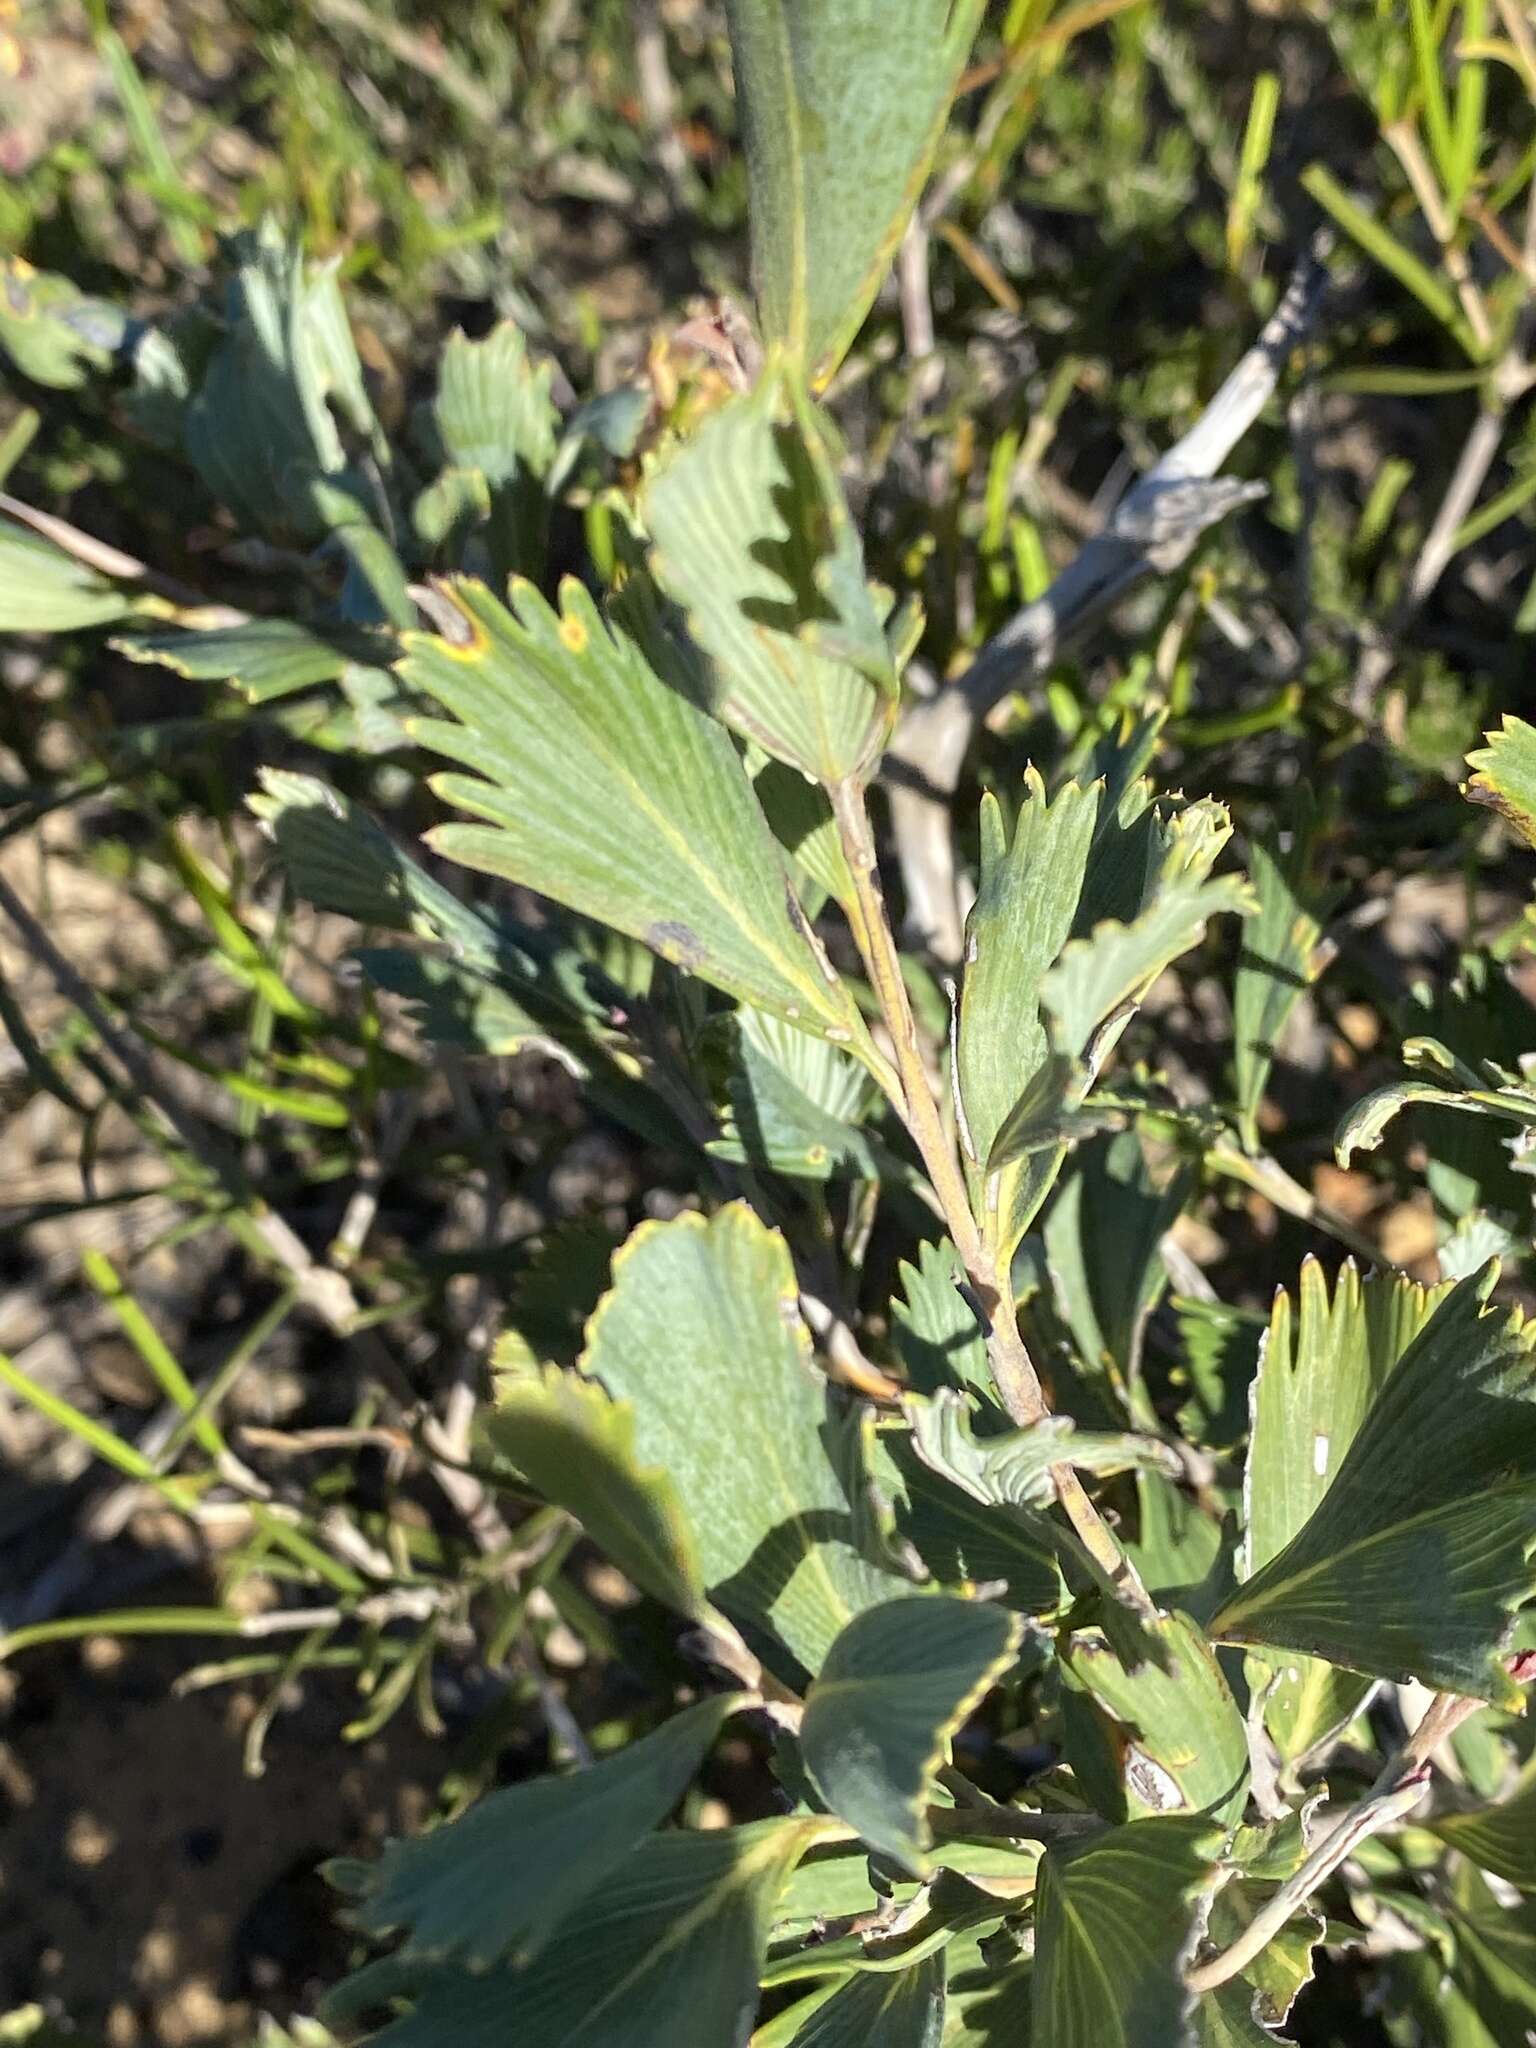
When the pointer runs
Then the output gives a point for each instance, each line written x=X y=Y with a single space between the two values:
x=700 y=1334
x=1026 y=900
x=667 y=1950
x=842 y=104
x=576 y=1446
x=754 y=541
x=1504 y=775
x=264 y=658
x=1282 y=956
x=1414 y=1560
x=1115 y=1920
x=1179 y=1735
x=1014 y=1469
x=602 y=788
x=495 y=421
x=43 y=590
x=895 y=1685
x=495 y=1885
x=885 y=2009
x=1499 y=1838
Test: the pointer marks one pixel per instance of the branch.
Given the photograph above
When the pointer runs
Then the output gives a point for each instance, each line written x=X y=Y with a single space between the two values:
x=1153 y=532
x=1399 y=1788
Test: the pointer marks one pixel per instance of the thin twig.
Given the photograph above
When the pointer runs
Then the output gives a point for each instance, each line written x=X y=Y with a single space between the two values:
x=913 y=1096
x=1398 y=1789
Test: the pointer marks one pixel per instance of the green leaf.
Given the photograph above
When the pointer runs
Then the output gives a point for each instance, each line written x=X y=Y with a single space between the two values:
x=452 y=1004
x=841 y=109
x=795 y=1104
x=1014 y=1469
x=262 y=427
x=495 y=1885
x=1321 y=1364
x=1504 y=776
x=341 y=859
x=1282 y=956
x=1499 y=1838
x=264 y=658
x=754 y=541
x=577 y=1447
x=1097 y=977
x=43 y=590
x=1026 y=901
x=701 y=1336
x=51 y=330
x=1103 y=1247
x=936 y=1331
x=987 y=2006
x=900 y=2009
x=611 y=793
x=1412 y=1562
x=494 y=420
x=1178 y=1737
x=1495 y=1960
x=666 y=1951
x=1115 y=1921
x=957 y=1542
x=896 y=1684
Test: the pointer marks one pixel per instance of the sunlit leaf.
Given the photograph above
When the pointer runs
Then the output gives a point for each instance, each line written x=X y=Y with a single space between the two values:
x=43 y=590
x=1414 y=1559
x=576 y=1446
x=1174 y=1731
x=841 y=109
x=1322 y=1363
x=754 y=542
x=607 y=791
x=701 y=1336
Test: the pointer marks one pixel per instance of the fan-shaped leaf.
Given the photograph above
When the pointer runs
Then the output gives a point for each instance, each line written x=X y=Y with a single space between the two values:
x=895 y=1685
x=495 y=1885
x=841 y=110
x=611 y=793
x=889 y=2009
x=264 y=658
x=43 y=590
x=1413 y=1560
x=1175 y=1733
x=1115 y=1921
x=754 y=541
x=666 y=1951
x=1500 y=1838
x=1504 y=775
x=577 y=1447
x=1320 y=1367
x=701 y=1336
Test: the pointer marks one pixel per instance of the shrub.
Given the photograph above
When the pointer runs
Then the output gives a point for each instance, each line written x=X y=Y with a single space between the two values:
x=896 y=1538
